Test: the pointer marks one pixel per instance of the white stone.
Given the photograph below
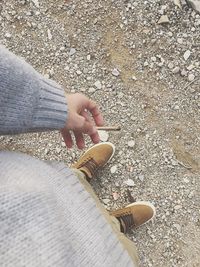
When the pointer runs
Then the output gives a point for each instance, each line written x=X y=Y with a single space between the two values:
x=106 y=200
x=72 y=51
x=170 y=65
x=115 y=72
x=163 y=19
x=177 y=207
x=103 y=136
x=187 y=54
x=36 y=3
x=131 y=143
x=195 y=4
x=178 y=3
x=8 y=35
x=88 y=57
x=49 y=34
x=190 y=67
x=129 y=182
x=91 y=90
x=113 y=169
x=180 y=40
x=176 y=70
x=141 y=177
x=97 y=84
x=191 y=77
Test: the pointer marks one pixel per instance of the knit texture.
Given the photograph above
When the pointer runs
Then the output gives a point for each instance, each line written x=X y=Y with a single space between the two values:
x=48 y=219
x=28 y=101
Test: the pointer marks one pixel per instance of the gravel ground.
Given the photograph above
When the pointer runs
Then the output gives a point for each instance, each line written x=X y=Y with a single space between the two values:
x=140 y=60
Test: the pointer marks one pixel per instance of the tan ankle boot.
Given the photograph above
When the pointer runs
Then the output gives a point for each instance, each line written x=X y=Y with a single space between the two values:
x=134 y=215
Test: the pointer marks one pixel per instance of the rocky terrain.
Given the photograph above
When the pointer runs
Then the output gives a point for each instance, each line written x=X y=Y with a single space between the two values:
x=140 y=60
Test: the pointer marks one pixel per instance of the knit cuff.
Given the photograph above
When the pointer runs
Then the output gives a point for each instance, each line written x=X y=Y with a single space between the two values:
x=51 y=111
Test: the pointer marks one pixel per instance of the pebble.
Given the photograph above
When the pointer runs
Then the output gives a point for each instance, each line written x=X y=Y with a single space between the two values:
x=113 y=169
x=195 y=4
x=191 y=77
x=131 y=143
x=91 y=90
x=97 y=84
x=88 y=57
x=58 y=150
x=36 y=3
x=177 y=207
x=49 y=34
x=170 y=65
x=115 y=72
x=186 y=55
x=163 y=19
x=72 y=51
x=177 y=226
x=129 y=182
x=8 y=35
x=178 y=3
x=176 y=70
x=115 y=195
x=106 y=201
x=103 y=136
x=141 y=177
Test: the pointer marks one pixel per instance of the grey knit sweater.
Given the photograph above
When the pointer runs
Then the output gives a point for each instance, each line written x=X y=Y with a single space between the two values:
x=47 y=219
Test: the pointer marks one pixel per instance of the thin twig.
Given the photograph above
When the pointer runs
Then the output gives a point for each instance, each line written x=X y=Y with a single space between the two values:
x=109 y=128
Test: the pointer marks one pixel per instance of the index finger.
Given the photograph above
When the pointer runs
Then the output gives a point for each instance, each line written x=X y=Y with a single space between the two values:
x=96 y=114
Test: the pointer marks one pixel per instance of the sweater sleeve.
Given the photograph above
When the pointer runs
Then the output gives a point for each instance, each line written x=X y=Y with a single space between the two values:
x=28 y=101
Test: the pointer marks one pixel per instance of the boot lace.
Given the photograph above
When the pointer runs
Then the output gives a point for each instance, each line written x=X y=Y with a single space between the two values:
x=126 y=222
x=90 y=164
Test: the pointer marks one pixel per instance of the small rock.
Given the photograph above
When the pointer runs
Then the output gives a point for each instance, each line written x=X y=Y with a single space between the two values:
x=180 y=40
x=58 y=150
x=195 y=4
x=141 y=177
x=187 y=54
x=191 y=77
x=106 y=201
x=178 y=3
x=97 y=84
x=91 y=90
x=115 y=72
x=131 y=143
x=177 y=207
x=88 y=57
x=170 y=65
x=185 y=180
x=36 y=3
x=115 y=195
x=163 y=19
x=129 y=182
x=103 y=136
x=46 y=151
x=49 y=34
x=8 y=35
x=177 y=226
x=113 y=169
x=190 y=67
x=176 y=70
x=146 y=64
x=72 y=51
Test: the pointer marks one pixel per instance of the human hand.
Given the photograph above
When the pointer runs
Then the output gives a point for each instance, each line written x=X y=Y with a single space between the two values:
x=79 y=120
